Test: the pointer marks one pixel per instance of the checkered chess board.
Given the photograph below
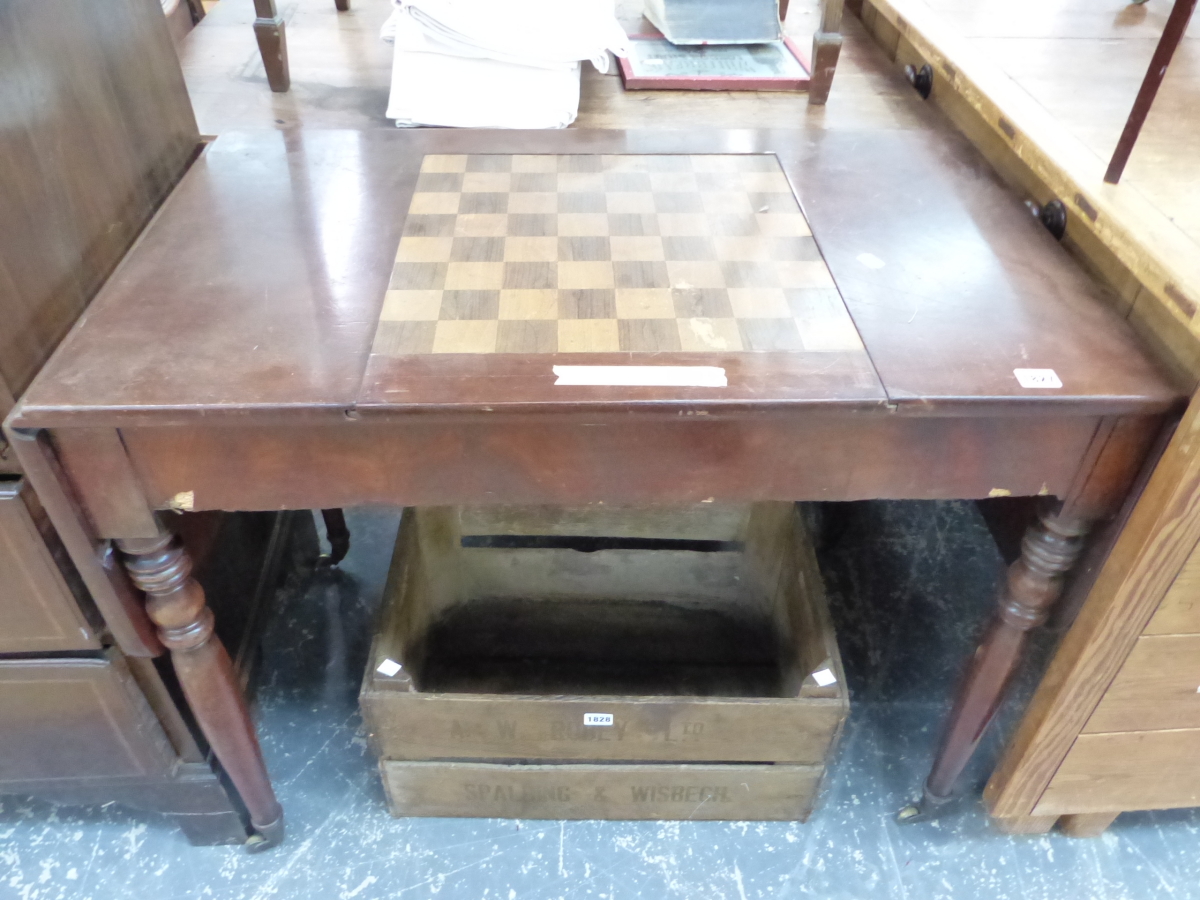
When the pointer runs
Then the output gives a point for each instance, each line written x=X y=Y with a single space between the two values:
x=589 y=253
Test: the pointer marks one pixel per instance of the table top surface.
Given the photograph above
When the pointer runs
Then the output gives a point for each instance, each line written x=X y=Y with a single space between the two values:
x=388 y=271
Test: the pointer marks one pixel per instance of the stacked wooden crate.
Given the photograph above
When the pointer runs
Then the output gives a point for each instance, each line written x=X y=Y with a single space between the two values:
x=604 y=663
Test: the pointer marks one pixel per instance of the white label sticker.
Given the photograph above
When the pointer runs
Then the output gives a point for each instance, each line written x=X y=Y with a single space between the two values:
x=642 y=376
x=824 y=677
x=597 y=719
x=1037 y=378
x=389 y=667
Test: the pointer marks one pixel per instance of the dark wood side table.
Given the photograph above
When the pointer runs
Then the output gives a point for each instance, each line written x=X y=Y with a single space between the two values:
x=284 y=336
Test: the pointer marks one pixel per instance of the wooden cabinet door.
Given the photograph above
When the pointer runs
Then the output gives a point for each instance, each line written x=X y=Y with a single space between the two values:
x=78 y=719
x=38 y=612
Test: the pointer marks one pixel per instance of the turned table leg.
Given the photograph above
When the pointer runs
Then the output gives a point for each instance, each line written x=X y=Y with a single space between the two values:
x=1034 y=582
x=272 y=45
x=175 y=603
x=338 y=535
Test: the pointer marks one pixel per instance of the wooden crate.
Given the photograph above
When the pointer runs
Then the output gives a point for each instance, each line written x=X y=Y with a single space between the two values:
x=601 y=791
x=694 y=633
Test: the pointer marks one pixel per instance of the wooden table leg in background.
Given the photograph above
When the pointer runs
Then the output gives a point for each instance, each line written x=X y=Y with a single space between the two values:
x=827 y=44
x=175 y=603
x=272 y=45
x=1177 y=22
x=338 y=535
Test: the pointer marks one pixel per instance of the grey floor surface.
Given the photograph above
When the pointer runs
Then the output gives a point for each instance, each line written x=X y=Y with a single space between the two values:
x=909 y=583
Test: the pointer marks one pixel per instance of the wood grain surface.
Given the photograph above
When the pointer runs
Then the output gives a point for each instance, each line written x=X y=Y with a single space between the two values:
x=580 y=791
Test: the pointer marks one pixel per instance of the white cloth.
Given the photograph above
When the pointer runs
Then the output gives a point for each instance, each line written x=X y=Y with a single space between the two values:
x=495 y=63
x=454 y=91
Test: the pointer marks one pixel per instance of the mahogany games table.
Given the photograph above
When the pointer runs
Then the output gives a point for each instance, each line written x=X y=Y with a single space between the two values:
x=330 y=319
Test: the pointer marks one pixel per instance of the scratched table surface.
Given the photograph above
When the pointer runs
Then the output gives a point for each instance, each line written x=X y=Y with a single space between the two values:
x=338 y=269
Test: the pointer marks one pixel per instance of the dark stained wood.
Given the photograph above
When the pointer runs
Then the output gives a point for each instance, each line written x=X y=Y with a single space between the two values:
x=176 y=604
x=337 y=534
x=950 y=283
x=1033 y=584
x=119 y=603
x=108 y=490
x=37 y=607
x=299 y=332
x=83 y=716
x=615 y=457
x=1152 y=549
x=109 y=132
x=1177 y=23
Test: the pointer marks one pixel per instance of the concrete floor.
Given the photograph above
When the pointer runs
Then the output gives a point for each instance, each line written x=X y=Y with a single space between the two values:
x=908 y=582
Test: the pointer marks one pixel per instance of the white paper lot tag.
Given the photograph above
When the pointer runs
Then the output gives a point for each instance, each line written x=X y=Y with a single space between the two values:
x=1037 y=378
x=642 y=376
x=824 y=677
x=388 y=668
x=597 y=718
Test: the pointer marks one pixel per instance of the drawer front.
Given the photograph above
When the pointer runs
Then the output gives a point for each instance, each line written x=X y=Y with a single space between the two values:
x=1132 y=770
x=38 y=612
x=579 y=791
x=1179 y=612
x=1156 y=689
x=76 y=719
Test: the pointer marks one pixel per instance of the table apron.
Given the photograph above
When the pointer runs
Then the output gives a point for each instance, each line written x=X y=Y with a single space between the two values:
x=613 y=460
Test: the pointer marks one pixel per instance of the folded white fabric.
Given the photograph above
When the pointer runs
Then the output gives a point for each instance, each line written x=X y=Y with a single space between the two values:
x=495 y=63
x=453 y=91
x=525 y=32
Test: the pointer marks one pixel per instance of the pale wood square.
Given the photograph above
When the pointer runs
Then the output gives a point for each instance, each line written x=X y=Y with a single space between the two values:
x=481 y=225
x=715 y=163
x=533 y=202
x=424 y=249
x=624 y=163
x=435 y=202
x=647 y=247
x=814 y=274
x=465 y=336
x=588 y=336
x=540 y=162
x=744 y=249
x=645 y=303
x=410 y=306
x=685 y=275
x=478 y=276
x=783 y=224
x=766 y=182
x=530 y=249
x=572 y=275
x=709 y=334
x=581 y=182
x=682 y=224
x=674 y=182
x=759 y=303
x=436 y=162
x=532 y=304
x=629 y=202
x=487 y=181
x=724 y=202
x=583 y=224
